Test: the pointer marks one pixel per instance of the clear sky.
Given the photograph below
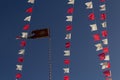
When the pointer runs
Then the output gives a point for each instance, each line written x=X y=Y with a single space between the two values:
x=52 y=13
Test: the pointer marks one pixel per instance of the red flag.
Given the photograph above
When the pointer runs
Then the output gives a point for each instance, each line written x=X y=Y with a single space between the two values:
x=96 y=37
x=104 y=33
x=69 y=28
x=70 y=10
x=91 y=16
x=26 y=27
x=66 y=61
x=66 y=77
x=108 y=65
x=102 y=56
x=23 y=43
x=102 y=0
x=67 y=45
x=18 y=75
x=29 y=10
x=103 y=16
x=20 y=59
x=107 y=73
x=106 y=50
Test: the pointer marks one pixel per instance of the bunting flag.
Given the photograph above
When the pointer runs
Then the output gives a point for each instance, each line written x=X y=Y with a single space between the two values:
x=96 y=37
x=89 y=5
x=66 y=61
x=105 y=65
x=19 y=67
x=102 y=7
x=91 y=16
x=71 y=1
x=104 y=24
x=66 y=77
x=66 y=70
x=28 y=18
x=24 y=35
x=68 y=27
x=67 y=53
x=103 y=56
x=68 y=36
x=93 y=27
x=98 y=47
x=105 y=41
x=107 y=73
x=22 y=51
x=70 y=10
x=18 y=75
x=69 y=18
x=26 y=27
x=29 y=10
x=31 y=1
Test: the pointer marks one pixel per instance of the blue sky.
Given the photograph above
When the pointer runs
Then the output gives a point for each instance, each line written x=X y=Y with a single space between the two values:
x=84 y=59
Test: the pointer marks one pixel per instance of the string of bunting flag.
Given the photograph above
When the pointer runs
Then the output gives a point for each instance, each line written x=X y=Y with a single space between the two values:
x=100 y=36
x=67 y=54
x=23 y=37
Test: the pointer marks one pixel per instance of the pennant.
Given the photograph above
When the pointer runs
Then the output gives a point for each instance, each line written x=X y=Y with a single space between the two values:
x=69 y=28
x=105 y=65
x=71 y=2
x=96 y=37
x=69 y=18
x=24 y=35
x=19 y=67
x=40 y=33
x=26 y=27
x=91 y=16
x=102 y=0
x=102 y=7
x=108 y=78
x=31 y=1
x=67 y=53
x=23 y=43
x=105 y=50
x=67 y=45
x=93 y=27
x=70 y=10
x=67 y=61
x=22 y=51
x=102 y=16
x=107 y=73
x=104 y=24
x=89 y=5
x=20 y=59
x=29 y=10
x=66 y=70
x=99 y=46
x=105 y=41
x=66 y=78
x=68 y=36
x=28 y=18
x=102 y=56
x=104 y=33
x=18 y=75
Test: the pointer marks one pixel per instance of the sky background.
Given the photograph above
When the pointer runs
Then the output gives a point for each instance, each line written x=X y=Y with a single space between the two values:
x=84 y=60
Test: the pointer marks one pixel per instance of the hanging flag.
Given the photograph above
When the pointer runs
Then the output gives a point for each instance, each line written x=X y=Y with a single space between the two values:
x=69 y=18
x=20 y=59
x=66 y=70
x=104 y=24
x=71 y=2
x=70 y=10
x=102 y=16
x=98 y=46
x=66 y=77
x=91 y=16
x=102 y=0
x=107 y=73
x=40 y=33
x=18 y=75
x=108 y=78
x=89 y=5
x=23 y=43
x=22 y=51
x=31 y=1
x=68 y=27
x=105 y=50
x=19 y=67
x=24 y=35
x=104 y=33
x=26 y=27
x=67 y=61
x=102 y=7
x=96 y=37
x=105 y=65
x=105 y=41
x=102 y=56
x=93 y=27
x=68 y=36
x=29 y=10
x=28 y=18
x=67 y=53
x=67 y=44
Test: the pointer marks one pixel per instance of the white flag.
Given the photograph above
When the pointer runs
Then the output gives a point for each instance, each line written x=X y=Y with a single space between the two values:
x=24 y=35
x=105 y=65
x=102 y=7
x=22 y=51
x=68 y=36
x=27 y=18
x=93 y=27
x=99 y=46
x=69 y=18
x=71 y=2
x=31 y=1
x=19 y=67
x=67 y=53
x=105 y=41
x=107 y=57
x=104 y=24
x=89 y=5
x=66 y=70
